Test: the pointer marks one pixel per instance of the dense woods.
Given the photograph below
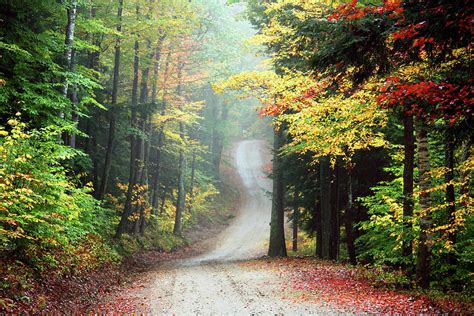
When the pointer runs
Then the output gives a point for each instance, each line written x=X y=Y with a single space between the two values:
x=115 y=116
x=111 y=136
x=372 y=110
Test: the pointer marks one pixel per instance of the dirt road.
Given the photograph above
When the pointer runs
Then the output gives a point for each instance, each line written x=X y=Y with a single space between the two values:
x=220 y=281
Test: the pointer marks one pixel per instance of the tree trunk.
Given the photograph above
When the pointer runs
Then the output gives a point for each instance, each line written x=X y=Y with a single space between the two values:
x=450 y=146
x=296 y=216
x=423 y=259
x=127 y=211
x=156 y=177
x=191 y=183
x=348 y=219
x=75 y=102
x=277 y=246
x=216 y=137
x=409 y=154
x=218 y=145
x=181 y=201
x=334 y=234
x=325 y=204
x=69 y=54
x=115 y=87
x=142 y=160
x=319 y=231
x=156 y=66
x=69 y=40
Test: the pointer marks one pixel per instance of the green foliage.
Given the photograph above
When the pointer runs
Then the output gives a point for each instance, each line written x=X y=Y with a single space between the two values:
x=385 y=231
x=44 y=215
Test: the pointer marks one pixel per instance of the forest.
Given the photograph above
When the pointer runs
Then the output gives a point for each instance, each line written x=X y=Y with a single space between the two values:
x=333 y=138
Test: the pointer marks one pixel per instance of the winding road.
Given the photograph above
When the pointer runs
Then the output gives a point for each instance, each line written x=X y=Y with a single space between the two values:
x=220 y=281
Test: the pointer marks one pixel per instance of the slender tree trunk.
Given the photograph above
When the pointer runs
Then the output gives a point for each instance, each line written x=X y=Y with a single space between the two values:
x=296 y=215
x=163 y=200
x=319 y=231
x=69 y=54
x=144 y=144
x=124 y=222
x=161 y=135
x=69 y=40
x=156 y=66
x=75 y=102
x=277 y=246
x=317 y=214
x=450 y=146
x=156 y=177
x=465 y=154
x=218 y=145
x=181 y=201
x=191 y=184
x=348 y=220
x=334 y=234
x=423 y=259
x=409 y=154
x=325 y=204
x=216 y=137
x=115 y=87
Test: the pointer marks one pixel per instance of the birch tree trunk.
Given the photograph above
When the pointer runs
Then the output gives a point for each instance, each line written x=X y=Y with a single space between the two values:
x=69 y=40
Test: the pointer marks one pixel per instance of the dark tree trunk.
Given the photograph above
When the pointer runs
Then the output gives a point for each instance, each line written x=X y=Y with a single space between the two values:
x=191 y=183
x=277 y=246
x=325 y=205
x=334 y=234
x=142 y=161
x=156 y=177
x=319 y=231
x=75 y=102
x=465 y=154
x=134 y=148
x=409 y=155
x=181 y=201
x=218 y=145
x=296 y=215
x=450 y=146
x=423 y=258
x=348 y=219
x=115 y=87
x=91 y=149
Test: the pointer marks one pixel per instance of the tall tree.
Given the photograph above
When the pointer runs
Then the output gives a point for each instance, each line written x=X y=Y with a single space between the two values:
x=423 y=258
x=277 y=245
x=113 y=106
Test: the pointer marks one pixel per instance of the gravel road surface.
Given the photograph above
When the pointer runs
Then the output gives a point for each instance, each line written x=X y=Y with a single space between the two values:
x=223 y=280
